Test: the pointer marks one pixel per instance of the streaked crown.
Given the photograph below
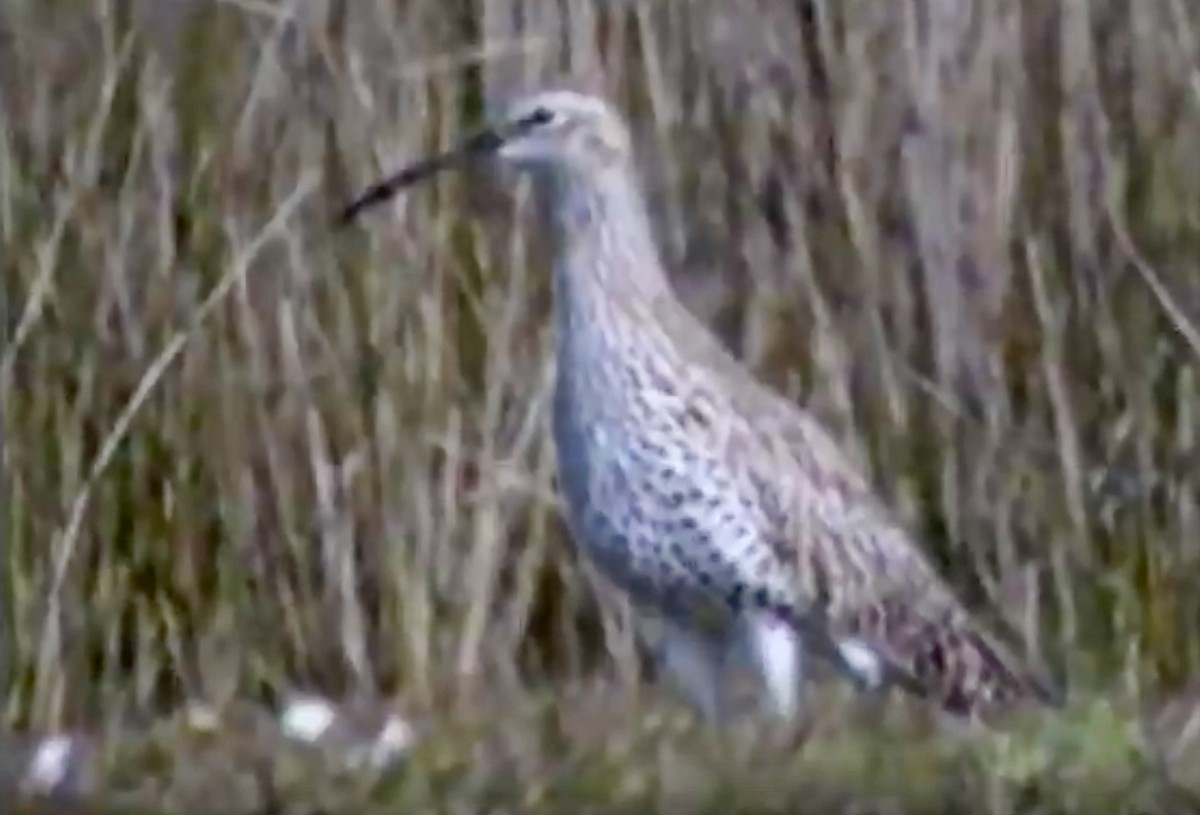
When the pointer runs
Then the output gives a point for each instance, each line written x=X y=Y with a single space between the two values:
x=576 y=132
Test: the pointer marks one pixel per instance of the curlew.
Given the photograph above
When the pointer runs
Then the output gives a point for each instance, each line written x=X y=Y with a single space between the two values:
x=707 y=497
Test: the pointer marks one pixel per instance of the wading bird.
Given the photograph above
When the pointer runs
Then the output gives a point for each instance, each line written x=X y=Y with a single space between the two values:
x=707 y=497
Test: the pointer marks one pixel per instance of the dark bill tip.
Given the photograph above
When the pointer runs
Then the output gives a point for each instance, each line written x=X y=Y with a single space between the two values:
x=483 y=143
x=486 y=142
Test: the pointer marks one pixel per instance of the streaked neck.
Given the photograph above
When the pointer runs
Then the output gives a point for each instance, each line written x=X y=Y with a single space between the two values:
x=606 y=258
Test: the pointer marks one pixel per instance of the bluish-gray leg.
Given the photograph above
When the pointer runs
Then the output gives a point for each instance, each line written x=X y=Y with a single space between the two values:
x=696 y=663
x=774 y=650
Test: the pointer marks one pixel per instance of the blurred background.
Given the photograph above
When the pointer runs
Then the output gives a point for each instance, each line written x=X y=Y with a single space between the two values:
x=245 y=451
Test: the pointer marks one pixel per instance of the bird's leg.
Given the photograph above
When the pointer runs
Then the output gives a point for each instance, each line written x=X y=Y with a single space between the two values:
x=696 y=663
x=777 y=655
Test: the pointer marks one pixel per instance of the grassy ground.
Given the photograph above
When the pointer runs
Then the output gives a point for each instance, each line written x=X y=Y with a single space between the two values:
x=244 y=452
x=582 y=749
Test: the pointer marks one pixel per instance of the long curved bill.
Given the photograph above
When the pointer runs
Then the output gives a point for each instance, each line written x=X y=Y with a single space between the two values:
x=481 y=144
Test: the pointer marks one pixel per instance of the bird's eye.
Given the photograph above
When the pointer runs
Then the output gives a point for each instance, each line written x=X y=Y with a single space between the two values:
x=535 y=120
x=541 y=116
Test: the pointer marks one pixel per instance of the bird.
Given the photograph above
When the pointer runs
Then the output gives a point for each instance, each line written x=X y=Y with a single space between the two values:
x=712 y=501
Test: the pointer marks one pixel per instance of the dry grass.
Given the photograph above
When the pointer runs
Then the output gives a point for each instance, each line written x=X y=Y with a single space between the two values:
x=245 y=452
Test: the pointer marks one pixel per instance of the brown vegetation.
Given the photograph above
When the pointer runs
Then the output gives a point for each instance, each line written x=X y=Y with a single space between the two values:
x=245 y=452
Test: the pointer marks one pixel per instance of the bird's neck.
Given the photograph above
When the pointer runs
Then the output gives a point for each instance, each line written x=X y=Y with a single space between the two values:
x=607 y=267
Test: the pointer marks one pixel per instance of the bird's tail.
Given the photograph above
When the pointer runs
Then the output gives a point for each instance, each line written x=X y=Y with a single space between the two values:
x=972 y=675
x=962 y=668
x=945 y=658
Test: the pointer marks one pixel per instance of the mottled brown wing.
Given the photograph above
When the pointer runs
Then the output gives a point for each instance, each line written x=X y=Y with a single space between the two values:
x=876 y=583
x=848 y=551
